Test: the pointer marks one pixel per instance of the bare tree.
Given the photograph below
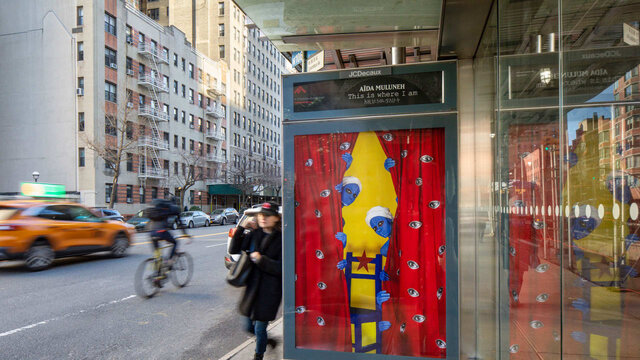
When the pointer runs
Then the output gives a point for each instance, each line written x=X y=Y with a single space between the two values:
x=190 y=171
x=114 y=147
x=243 y=178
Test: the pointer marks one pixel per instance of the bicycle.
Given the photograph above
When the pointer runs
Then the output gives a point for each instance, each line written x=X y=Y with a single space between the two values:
x=154 y=272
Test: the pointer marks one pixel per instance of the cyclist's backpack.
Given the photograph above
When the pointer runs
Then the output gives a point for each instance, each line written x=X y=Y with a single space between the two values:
x=163 y=209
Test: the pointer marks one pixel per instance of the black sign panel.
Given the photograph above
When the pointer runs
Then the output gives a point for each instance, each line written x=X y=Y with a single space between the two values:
x=380 y=90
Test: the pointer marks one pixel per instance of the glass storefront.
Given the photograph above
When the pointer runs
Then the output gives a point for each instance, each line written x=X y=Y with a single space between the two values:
x=565 y=192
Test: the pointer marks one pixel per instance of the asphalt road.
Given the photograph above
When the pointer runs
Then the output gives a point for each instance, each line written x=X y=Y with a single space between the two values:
x=86 y=308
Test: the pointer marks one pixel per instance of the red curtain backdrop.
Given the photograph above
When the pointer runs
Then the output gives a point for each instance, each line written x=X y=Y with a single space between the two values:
x=416 y=256
x=322 y=300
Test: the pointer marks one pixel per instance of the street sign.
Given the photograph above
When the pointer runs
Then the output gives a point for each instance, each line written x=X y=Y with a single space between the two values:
x=42 y=190
x=296 y=58
x=316 y=62
x=630 y=35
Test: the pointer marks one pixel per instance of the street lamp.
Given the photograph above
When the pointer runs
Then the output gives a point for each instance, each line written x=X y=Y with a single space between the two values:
x=35 y=175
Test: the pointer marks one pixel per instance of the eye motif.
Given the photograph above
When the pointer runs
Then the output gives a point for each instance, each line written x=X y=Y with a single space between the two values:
x=441 y=344
x=318 y=213
x=418 y=318
x=434 y=204
x=514 y=295
x=415 y=224
x=300 y=309
x=439 y=293
x=536 y=324
x=542 y=268
x=296 y=204
x=514 y=348
x=542 y=297
x=442 y=249
x=325 y=193
x=345 y=146
x=320 y=321
x=512 y=251
x=538 y=225
x=319 y=254
x=309 y=162
x=426 y=159
x=419 y=181
x=322 y=285
x=413 y=265
x=403 y=153
x=387 y=137
x=413 y=292
x=403 y=327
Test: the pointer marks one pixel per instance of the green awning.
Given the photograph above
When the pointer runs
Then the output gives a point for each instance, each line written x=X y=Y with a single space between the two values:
x=223 y=189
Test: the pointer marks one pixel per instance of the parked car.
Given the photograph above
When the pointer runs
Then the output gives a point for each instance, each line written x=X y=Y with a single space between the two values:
x=109 y=214
x=193 y=219
x=225 y=216
x=38 y=232
x=248 y=216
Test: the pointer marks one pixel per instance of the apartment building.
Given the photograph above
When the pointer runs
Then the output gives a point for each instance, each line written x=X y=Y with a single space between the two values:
x=139 y=89
x=223 y=32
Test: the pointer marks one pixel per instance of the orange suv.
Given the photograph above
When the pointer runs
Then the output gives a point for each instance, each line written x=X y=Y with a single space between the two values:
x=38 y=232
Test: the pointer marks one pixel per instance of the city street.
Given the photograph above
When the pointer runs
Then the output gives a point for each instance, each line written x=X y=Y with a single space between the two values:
x=86 y=308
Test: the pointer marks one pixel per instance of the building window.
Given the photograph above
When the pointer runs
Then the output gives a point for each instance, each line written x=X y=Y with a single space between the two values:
x=175 y=59
x=129 y=162
x=81 y=121
x=184 y=143
x=184 y=117
x=143 y=195
x=191 y=70
x=110 y=126
x=154 y=193
x=129 y=130
x=175 y=87
x=221 y=29
x=142 y=100
x=141 y=69
x=154 y=14
x=221 y=51
x=221 y=8
x=184 y=91
x=107 y=192
x=175 y=114
x=191 y=120
x=175 y=141
x=183 y=63
x=110 y=58
x=81 y=157
x=80 y=51
x=79 y=16
x=200 y=100
x=191 y=96
x=81 y=84
x=110 y=24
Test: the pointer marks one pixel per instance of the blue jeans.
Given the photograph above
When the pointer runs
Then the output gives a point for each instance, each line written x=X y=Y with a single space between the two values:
x=259 y=328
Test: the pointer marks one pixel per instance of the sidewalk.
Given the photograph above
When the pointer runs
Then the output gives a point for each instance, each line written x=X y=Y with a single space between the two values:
x=246 y=350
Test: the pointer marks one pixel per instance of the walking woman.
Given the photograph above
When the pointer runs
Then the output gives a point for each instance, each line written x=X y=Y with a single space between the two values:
x=263 y=293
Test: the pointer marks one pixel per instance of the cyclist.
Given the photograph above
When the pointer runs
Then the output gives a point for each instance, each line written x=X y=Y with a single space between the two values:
x=164 y=214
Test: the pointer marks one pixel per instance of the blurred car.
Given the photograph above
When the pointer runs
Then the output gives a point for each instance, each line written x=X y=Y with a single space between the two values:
x=142 y=222
x=225 y=216
x=108 y=214
x=248 y=216
x=193 y=219
x=38 y=232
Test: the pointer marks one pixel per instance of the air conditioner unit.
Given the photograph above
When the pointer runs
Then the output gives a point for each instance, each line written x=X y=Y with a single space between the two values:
x=191 y=126
x=129 y=104
x=130 y=72
x=129 y=39
x=113 y=66
x=80 y=91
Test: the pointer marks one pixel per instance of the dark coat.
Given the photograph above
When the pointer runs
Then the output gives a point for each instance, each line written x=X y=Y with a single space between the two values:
x=263 y=293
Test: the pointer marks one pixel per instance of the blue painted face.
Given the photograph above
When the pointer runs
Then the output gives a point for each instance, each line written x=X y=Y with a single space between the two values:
x=381 y=225
x=349 y=194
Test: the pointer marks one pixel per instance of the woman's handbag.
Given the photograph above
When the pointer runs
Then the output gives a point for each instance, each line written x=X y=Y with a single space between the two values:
x=240 y=271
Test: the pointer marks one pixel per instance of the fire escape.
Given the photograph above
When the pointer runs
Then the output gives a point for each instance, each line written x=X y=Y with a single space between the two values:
x=215 y=133
x=151 y=144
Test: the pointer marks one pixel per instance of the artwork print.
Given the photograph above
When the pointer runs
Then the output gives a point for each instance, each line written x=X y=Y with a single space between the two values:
x=370 y=242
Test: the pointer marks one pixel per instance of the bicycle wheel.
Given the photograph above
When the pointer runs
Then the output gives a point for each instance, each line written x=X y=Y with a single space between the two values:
x=182 y=269
x=144 y=280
